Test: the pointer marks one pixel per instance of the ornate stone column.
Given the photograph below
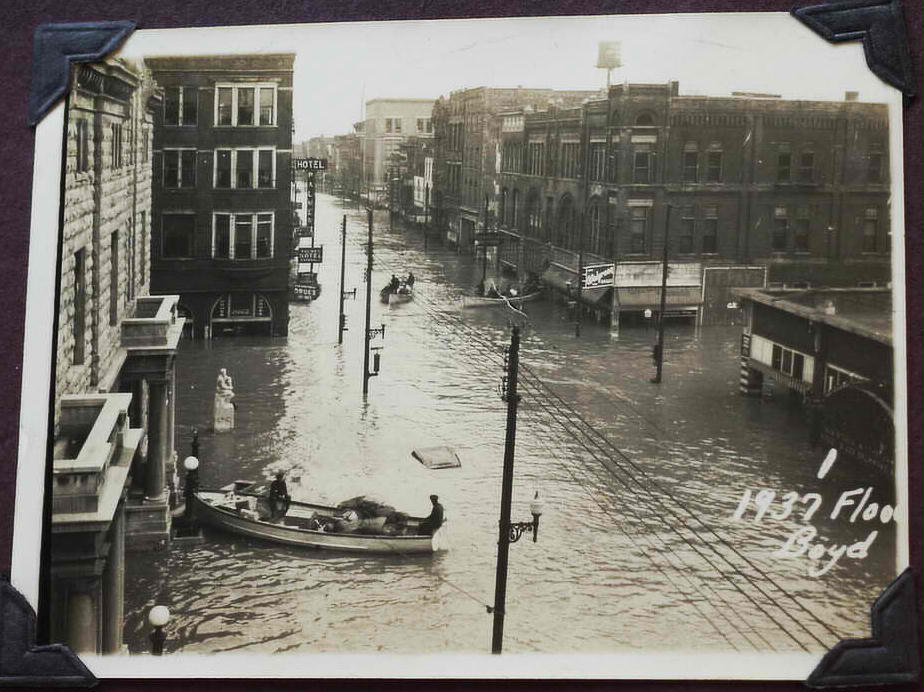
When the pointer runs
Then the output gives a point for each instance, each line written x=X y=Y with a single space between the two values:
x=155 y=474
x=114 y=585
x=82 y=623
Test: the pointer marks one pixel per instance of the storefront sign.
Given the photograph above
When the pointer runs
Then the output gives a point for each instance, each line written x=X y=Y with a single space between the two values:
x=648 y=274
x=311 y=254
x=307 y=292
x=598 y=275
x=310 y=164
x=307 y=279
x=746 y=345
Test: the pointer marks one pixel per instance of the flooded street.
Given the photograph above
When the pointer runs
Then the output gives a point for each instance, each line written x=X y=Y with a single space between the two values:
x=637 y=549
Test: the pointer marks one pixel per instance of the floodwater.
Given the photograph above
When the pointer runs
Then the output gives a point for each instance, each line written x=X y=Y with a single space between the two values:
x=638 y=547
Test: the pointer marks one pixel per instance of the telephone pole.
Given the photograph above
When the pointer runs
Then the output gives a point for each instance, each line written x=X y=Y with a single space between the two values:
x=342 y=323
x=368 y=303
x=659 y=348
x=503 y=539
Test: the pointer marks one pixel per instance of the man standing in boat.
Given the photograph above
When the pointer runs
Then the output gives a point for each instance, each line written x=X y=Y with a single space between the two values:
x=278 y=497
x=435 y=520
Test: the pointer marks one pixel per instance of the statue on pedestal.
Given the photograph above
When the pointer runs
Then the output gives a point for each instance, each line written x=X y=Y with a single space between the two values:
x=224 y=404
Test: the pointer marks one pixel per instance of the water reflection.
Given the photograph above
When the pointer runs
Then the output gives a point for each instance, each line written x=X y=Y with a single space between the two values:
x=638 y=480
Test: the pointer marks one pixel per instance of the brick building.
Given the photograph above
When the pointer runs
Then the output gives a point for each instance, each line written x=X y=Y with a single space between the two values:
x=467 y=141
x=115 y=360
x=221 y=203
x=800 y=188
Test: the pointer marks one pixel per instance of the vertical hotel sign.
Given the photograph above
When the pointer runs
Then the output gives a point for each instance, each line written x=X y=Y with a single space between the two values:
x=306 y=283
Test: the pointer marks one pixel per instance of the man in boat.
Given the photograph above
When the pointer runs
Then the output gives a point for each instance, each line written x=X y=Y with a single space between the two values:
x=410 y=280
x=395 y=283
x=429 y=525
x=278 y=497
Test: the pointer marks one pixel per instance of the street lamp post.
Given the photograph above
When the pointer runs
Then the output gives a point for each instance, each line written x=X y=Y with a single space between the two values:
x=191 y=464
x=509 y=532
x=158 y=617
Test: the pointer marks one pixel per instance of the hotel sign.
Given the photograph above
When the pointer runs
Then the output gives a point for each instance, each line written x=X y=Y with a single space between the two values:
x=310 y=164
x=311 y=254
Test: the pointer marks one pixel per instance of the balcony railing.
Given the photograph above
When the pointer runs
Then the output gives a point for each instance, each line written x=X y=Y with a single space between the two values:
x=154 y=319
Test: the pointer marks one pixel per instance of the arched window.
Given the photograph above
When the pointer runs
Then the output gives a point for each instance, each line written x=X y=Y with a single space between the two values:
x=644 y=120
x=595 y=222
x=564 y=236
x=514 y=210
x=533 y=215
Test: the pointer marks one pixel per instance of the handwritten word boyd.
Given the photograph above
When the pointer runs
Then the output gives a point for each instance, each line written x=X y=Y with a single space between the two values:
x=800 y=543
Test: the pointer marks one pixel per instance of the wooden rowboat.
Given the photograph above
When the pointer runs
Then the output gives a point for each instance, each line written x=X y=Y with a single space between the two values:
x=402 y=295
x=234 y=509
x=512 y=301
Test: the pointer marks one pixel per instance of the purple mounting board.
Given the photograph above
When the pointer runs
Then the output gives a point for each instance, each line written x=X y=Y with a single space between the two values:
x=103 y=26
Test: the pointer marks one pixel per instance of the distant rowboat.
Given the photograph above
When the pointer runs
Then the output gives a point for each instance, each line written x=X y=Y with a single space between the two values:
x=512 y=301
x=233 y=509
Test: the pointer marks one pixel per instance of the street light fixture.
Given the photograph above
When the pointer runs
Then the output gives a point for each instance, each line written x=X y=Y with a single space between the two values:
x=517 y=529
x=159 y=616
x=191 y=464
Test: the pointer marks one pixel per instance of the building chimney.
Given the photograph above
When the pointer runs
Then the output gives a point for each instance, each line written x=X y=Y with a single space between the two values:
x=851 y=95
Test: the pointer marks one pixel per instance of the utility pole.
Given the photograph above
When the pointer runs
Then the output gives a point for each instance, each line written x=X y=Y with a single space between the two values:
x=580 y=277
x=341 y=327
x=426 y=228
x=503 y=539
x=659 y=348
x=368 y=304
x=484 y=246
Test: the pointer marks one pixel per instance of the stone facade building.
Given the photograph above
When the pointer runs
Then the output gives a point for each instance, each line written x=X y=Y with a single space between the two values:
x=797 y=188
x=115 y=374
x=222 y=213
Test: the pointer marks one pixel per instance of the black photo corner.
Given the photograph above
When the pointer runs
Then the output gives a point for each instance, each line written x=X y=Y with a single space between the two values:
x=47 y=39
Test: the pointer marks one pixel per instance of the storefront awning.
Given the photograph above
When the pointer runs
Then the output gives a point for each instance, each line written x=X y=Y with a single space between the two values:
x=559 y=278
x=649 y=297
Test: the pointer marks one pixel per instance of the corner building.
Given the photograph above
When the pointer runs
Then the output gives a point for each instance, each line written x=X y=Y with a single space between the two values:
x=113 y=457
x=221 y=191
x=795 y=190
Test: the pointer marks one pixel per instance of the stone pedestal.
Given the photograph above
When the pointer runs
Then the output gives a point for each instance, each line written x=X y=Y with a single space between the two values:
x=223 y=414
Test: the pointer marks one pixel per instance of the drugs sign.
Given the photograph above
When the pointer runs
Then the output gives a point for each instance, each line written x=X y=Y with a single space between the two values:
x=311 y=254
x=598 y=275
x=307 y=291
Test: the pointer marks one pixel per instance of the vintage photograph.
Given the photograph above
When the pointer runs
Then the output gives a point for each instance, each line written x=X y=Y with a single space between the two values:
x=468 y=346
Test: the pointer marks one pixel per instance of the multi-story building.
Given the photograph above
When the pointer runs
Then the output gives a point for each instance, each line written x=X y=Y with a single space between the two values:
x=347 y=159
x=387 y=125
x=222 y=174
x=800 y=188
x=468 y=136
x=115 y=379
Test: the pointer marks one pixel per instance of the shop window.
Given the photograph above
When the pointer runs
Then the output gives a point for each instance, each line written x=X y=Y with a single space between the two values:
x=177 y=231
